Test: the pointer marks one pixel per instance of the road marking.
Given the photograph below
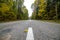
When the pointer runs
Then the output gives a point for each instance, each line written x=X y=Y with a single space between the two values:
x=30 y=34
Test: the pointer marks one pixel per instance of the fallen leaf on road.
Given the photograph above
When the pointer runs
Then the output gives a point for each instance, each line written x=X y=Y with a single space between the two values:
x=26 y=30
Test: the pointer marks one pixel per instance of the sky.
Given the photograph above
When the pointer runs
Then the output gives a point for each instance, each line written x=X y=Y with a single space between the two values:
x=28 y=4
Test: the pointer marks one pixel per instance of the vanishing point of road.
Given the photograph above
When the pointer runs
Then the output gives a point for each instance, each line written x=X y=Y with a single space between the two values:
x=40 y=30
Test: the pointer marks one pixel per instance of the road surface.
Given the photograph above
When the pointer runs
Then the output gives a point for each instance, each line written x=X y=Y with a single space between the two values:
x=41 y=30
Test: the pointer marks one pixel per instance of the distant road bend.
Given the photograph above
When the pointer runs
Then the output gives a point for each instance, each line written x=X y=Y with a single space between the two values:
x=38 y=30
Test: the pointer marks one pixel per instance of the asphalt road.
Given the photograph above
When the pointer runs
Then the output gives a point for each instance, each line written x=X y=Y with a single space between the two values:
x=41 y=30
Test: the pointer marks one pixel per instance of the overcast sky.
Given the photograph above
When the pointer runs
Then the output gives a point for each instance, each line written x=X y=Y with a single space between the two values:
x=28 y=4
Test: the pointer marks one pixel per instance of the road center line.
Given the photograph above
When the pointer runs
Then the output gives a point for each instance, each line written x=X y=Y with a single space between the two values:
x=30 y=34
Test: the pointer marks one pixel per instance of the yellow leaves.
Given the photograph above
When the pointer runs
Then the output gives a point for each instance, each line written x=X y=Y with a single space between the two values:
x=26 y=30
x=42 y=1
x=4 y=7
x=42 y=7
x=41 y=10
x=39 y=14
x=11 y=3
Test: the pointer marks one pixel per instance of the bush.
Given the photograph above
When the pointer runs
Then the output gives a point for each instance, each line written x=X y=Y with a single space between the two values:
x=7 y=16
x=10 y=16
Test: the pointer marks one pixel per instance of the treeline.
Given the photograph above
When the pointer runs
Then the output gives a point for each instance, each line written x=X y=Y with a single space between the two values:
x=12 y=10
x=46 y=9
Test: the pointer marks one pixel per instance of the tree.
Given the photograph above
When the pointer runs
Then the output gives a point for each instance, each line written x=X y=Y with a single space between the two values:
x=12 y=10
x=46 y=9
x=40 y=6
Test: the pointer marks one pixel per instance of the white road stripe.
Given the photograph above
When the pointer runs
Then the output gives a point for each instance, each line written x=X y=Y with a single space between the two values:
x=30 y=34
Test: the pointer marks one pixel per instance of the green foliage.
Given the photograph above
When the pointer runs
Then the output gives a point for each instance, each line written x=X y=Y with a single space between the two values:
x=46 y=10
x=4 y=7
x=7 y=16
x=12 y=10
x=25 y=13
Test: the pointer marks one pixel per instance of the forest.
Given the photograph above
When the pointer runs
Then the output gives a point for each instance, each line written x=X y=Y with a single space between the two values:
x=46 y=10
x=11 y=10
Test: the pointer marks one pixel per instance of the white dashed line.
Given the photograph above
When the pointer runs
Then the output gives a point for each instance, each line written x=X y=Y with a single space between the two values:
x=30 y=34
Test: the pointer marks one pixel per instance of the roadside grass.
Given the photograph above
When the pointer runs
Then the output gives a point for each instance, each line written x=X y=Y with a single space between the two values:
x=53 y=21
x=6 y=21
x=9 y=21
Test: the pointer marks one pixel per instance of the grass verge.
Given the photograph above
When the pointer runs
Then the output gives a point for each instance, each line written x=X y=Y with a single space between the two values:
x=54 y=21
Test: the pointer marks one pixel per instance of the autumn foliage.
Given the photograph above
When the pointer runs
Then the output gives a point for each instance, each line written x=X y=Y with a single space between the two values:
x=10 y=10
x=46 y=9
